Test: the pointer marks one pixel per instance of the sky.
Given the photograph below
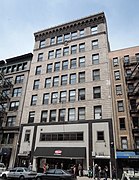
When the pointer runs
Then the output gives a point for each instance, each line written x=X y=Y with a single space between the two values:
x=20 y=19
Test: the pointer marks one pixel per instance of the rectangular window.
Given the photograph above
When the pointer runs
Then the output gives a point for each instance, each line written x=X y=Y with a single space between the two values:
x=73 y=63
x=120 y=106
x=97 y=92
x=126 y=59
x=8 y=138
x=97 y=112
x=122 y=123
x=81 y=94
x=115 y=61
x=71 y=114
x=58 y=53
x=95 y=44
x=54 y=98
x=74 y=35
x=9 y=69
x=95 y=59
x=118 y=89
x=128 y=72
x=117 y=75
x=47 y=82
x=36 y=84
x=81 y=77
x=64 y=79
x=27 y=135
x=62 y=115
x=57 y=66
x=82 y=47
x=6 y=92
x=72 y=95
x=17 y=92
x=94 y=30
x=56 y=81
x=31 y=117
x=49 y=68
x=72 y=78
x=65 y=65
x=74 y=49
x=82 y=61
x=38 y=70
x=130 y=87
x=34 y=100
x=81 y=32
x=124 y=143
x=67 y=37
x=137 y=57
x=100 y=135
x=14 y=68
x=63 y=96
x=42 y=43
x=19 y=67
x=52 y=115
x=44 y=115
x=14 y=106
x=66 y=51
x=81 y=113
x=46 y=98
x=59 y=39
x=52 y=40
x=40 y=57
x=96 y=74
x=50 y=54
x=19 y=79
x=11 y=121
x=24 y=66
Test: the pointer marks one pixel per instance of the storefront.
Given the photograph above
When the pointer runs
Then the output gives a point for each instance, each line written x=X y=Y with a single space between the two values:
x=60 y=157
x=5 y=155
x=126 y=159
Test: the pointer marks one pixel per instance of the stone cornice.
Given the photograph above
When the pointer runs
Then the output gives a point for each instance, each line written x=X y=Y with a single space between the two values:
x=70 y=26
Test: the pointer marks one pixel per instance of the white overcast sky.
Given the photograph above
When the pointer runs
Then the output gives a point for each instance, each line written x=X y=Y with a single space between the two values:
x=19 y=19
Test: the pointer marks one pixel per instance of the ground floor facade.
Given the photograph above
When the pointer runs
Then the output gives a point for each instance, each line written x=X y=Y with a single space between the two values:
x=67 y=145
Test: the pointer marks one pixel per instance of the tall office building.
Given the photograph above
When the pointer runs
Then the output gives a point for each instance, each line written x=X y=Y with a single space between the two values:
x=67 y=114
x=14 y=74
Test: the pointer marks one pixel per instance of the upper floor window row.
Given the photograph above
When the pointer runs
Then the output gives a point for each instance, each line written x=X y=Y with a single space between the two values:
x=66 y=51
x=14 y=68
x=65 y=64
x=68 y=36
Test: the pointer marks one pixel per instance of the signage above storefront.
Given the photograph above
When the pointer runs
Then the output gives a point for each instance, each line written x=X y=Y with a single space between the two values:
x=57 y=152
x=126 y=154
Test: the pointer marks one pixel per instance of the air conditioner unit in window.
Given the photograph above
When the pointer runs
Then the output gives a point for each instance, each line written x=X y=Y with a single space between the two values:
x=98 y=116
x=119 y=93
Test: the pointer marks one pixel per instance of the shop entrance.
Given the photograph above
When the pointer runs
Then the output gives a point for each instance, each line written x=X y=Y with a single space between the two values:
x=102 y=163
x=60 y=163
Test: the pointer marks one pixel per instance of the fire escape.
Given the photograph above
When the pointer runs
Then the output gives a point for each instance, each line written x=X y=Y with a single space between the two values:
x=5 y=88
x=132 y=80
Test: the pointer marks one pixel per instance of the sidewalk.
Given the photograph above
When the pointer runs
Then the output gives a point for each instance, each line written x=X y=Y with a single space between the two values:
x=87 y=178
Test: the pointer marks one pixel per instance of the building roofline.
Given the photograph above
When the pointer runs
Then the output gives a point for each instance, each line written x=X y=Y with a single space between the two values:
x=122 y=49
x=24 y=56
x=94 y=17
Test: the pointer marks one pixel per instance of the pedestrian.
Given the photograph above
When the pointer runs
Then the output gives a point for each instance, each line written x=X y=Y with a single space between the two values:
x=47 y=167
x=80 y=170
x=106 y=172
x=30 y=167
x=44 y=168
x=74 y=169
x=113 y=173
x=97 y=172
x=90 y=173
